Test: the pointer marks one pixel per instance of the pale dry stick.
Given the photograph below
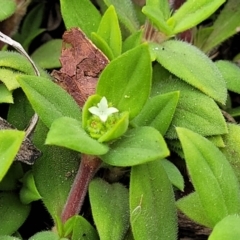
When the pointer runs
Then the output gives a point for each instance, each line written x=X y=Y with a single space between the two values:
x=4 y=38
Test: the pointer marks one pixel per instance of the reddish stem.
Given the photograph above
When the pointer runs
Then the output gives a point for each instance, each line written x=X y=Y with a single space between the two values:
x=87 y=169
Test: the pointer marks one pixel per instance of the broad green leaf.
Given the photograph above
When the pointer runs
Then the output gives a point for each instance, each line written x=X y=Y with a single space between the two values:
x=225 y=26
x=18 y=63
x=9 y=238
x=53 y=172
x=157 y=18
x=137 y=146
x=163 y=5
x=194 y=111
x=46 y=235
x=5 y=94
x=13 y=213
x=10 y=142
x=8 y=77
x=109 y=30
x=231 y=74
x=79 y=227
x=212 y=176
x=226 y=229
x=67 y=132
x=158 y=112
x=174 y=174
x=126 y=13
x=7 y=9
x=82 y=14
x=28 y=192
x=191 y=65
x=232 y=150
x=192 y=13
x=152 y=205
x=47 y=55
x=48 y=99
x=133 y=71
x=191 y=206
x=110 y=209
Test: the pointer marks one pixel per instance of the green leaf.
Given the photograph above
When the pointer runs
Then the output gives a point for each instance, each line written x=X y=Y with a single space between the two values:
x=191 y=206
x=14 y=213
x=109 y=30
x=231 y=74
x=10 y=142
x=226 y=229
x=137 y=146
x=133 y=71
x=9 y=238
x=67 y=132
x=225 y=26
x=133 y=41
x=81 y=14
x=163 y=5
x=48 y=99
x=53 y=172
x=47 y=55
x=158 y=112
x=157 y=18
x=192 y=13
x=49 y=235
x=232 y=150
x=110 y=209
x=5 y=94
x=8 y=77
x=194 y=111
x=126 y=13
x=191 y=65
x=80 y=228
x=174 y=174
x=29 y=192
x=152 y=205
x=212 y=176
x=7 y=9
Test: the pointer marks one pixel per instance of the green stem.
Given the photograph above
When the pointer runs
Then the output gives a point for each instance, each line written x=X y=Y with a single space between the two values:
x=87 y=169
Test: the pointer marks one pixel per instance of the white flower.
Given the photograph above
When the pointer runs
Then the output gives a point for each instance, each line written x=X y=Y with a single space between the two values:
x=102 y=110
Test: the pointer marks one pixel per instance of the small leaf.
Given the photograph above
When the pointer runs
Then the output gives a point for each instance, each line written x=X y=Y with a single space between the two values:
x=29 y=192
x=67 y=132
x=191 y=206
x=8 y=77
x=212 y=176
x=225 y=26
x=191 y=111
x=10 y=142
x=137 y=146
x=158 y=112
x=133 y=41
x=110 y=209
x=174 y=174
x=191 y=65
x=48 y=54
x=14 y=213
x=133 y=71
x=5 y=94
x=126 y=13
x=163 y=5
x=109 y=30
x=7 y=9
x=48 y=99
x=49 y=235
x=226 y=229
x=192 y=13
x=80 y=228
x=231 y=74
x=152 y=205
x=81 y=14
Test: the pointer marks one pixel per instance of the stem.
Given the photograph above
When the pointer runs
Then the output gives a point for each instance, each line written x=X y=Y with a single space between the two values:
x=87 y=169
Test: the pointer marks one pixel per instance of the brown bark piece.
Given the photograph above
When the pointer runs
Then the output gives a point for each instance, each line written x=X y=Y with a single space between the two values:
x=82 y=64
